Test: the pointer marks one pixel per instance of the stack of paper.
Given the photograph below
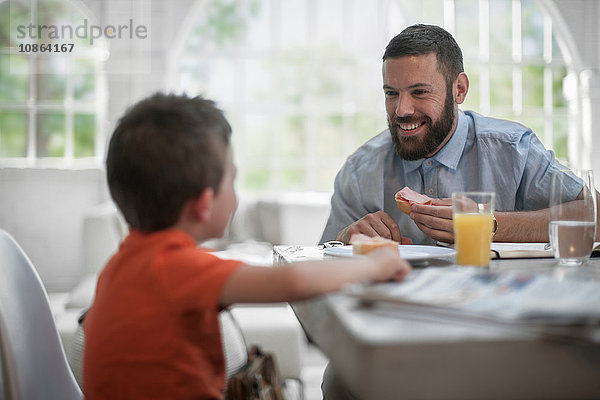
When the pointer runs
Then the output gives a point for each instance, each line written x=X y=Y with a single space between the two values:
x=501 y=295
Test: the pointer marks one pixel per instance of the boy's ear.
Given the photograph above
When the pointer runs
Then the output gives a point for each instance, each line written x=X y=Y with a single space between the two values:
x=201 y=205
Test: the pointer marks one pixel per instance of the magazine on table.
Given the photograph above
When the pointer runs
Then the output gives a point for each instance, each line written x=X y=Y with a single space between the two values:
x=509 y=296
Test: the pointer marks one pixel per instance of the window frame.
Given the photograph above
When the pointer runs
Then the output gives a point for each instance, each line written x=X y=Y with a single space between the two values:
x=33 y=107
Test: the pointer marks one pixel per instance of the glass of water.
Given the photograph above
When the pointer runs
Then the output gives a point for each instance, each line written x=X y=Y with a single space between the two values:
x=572 y=226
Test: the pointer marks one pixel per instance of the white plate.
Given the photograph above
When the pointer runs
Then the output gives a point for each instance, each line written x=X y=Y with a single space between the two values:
x=409 y=252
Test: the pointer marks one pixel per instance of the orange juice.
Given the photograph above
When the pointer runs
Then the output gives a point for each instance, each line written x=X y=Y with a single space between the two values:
x=472 y=237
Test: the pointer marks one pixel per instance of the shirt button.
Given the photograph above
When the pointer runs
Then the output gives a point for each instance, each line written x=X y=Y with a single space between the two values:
x=428 y=163
x=430 y=191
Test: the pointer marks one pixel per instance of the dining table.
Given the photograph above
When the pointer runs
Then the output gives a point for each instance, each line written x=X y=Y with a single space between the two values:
x=385 y=350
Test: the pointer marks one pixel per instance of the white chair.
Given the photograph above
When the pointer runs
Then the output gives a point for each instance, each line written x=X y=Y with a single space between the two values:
x=33 y=361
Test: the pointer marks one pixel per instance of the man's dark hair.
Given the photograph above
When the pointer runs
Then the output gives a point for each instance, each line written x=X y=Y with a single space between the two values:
x=165 y=150
x=422 y=39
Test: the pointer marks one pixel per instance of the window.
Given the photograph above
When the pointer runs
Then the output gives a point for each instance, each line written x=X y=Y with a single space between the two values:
x=515 y=66
x=51 y=103
x=300 y=80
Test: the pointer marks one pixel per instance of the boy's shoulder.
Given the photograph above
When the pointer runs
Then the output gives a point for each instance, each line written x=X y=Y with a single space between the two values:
x=168 y=264
x=143 y=252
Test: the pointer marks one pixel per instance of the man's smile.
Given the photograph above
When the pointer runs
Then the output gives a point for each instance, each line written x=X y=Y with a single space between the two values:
x=411 y=126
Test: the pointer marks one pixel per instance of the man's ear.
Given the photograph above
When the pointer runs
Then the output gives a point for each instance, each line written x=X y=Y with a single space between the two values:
x=461 y=87
x=201 y=205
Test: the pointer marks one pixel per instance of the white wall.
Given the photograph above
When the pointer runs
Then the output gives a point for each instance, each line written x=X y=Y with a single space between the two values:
x=43 y=209
x=128 y=86
x=577 y=24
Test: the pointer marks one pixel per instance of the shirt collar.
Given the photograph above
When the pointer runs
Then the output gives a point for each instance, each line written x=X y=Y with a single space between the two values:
x=451 y=153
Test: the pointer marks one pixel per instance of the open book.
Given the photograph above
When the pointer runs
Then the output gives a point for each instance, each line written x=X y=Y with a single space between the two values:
x=528 y=250
x=502 y=250
x=521 y=250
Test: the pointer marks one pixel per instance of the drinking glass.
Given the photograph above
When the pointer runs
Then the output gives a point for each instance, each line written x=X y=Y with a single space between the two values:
x=472 y=215
x=572 y=226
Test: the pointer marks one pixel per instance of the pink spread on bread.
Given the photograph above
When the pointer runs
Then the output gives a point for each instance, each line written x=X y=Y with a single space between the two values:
x=407 y=196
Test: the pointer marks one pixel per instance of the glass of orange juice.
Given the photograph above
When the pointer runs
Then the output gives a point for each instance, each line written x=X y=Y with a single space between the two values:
x=472 y=214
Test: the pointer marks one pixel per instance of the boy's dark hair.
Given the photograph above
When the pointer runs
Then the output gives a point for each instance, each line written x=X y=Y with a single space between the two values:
x=165 y=150
x=422 y=39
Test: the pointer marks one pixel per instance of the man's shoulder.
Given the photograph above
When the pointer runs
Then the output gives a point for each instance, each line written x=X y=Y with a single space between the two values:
x=376 y=148
x=490 y=128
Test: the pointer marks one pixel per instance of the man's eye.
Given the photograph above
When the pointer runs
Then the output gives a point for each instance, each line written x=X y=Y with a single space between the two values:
x=390 y=93
x=419 y=92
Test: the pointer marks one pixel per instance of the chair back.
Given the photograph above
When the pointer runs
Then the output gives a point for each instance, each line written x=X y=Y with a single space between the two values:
x=33 y=361
x=234 y=345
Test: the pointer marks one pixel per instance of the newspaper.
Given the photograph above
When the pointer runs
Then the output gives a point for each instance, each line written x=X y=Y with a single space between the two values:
x=511 y=296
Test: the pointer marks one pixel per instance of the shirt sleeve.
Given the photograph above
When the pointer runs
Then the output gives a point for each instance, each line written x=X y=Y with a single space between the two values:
x=347 y=205
x=540 y=166
x=193 y=278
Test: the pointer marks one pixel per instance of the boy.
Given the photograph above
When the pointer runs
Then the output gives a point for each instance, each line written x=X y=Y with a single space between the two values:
x=153 y=331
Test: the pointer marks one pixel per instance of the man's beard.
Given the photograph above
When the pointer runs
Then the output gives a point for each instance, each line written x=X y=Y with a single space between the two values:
x=419 y=146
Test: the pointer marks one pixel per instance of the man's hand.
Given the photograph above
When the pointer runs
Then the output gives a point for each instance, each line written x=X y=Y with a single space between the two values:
x=435 y=219
x=375 y=224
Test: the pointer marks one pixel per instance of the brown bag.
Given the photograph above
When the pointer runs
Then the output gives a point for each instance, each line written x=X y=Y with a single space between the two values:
x=258 y=380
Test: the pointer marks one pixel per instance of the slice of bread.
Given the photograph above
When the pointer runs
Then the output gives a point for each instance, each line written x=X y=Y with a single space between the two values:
x=403 y=205
x=362 y=244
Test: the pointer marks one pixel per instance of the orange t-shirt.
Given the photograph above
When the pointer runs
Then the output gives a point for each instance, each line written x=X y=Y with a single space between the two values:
x=153 y=329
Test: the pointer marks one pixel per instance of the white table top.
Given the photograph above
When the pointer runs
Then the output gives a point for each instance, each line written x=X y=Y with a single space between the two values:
x=387 y=352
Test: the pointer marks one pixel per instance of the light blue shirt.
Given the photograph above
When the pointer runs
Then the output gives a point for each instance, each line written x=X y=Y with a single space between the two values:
x=483 y=154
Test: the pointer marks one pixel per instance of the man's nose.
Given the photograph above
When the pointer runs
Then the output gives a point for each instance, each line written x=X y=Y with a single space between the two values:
x=404 y=106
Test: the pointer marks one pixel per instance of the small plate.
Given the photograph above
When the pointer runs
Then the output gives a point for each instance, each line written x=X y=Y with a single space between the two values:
x=409 y=252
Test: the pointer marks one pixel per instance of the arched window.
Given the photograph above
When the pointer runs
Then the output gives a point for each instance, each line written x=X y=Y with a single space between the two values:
x=52 y=91
x=300 y=80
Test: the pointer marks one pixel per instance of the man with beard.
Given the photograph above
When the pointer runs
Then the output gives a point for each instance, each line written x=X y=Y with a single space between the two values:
x=436 y=149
